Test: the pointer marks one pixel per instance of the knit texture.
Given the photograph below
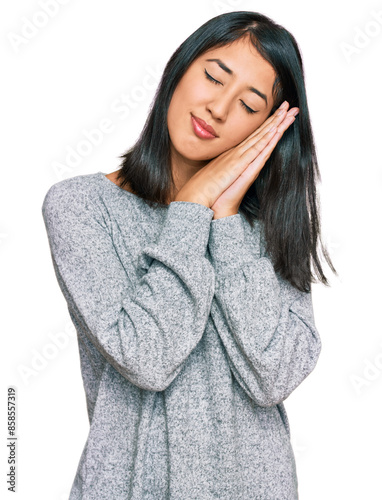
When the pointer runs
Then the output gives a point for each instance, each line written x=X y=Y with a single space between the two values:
x=189 y=343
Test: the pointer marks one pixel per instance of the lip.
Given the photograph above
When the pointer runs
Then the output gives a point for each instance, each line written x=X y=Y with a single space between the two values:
x=202 y=129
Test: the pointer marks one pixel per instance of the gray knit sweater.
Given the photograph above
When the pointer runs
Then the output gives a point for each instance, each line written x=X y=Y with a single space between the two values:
x=189 y=343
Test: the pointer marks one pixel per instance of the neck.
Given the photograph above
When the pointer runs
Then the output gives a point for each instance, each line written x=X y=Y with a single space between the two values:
x=183 y=170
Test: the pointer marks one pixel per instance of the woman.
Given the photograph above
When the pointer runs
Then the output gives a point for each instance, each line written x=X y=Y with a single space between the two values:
x=187 y=276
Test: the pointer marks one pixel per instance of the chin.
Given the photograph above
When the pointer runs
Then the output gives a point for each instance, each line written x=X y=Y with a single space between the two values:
x=195 y=151
x=191 y=153
x=201 y=158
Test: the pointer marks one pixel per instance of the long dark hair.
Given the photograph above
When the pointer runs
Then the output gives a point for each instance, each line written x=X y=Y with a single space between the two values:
x=283 y=197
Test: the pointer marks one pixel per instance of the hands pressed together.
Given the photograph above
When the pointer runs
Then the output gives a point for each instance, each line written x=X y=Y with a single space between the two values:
x=221 y=185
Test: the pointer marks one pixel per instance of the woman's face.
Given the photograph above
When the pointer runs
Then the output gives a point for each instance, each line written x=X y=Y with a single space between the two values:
x=226 y=106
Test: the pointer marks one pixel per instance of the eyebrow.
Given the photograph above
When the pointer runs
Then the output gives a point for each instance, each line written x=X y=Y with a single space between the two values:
x=230 y=72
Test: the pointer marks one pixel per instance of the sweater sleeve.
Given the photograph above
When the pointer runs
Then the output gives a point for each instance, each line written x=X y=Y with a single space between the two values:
x=266 y=325
x=147 y=330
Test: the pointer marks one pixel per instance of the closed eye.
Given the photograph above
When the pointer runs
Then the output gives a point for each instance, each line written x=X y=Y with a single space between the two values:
x=216 y=82
x=247 y=108
x=209 y=77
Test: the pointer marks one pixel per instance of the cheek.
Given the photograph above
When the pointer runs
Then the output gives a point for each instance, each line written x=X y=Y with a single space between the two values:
x=241 y=130
x=188 y=97
x=190 y=94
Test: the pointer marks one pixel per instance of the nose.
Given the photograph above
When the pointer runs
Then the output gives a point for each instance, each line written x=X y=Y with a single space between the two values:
x=219 y=105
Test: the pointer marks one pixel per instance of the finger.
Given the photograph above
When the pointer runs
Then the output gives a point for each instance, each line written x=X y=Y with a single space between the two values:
x=284 y=121
x=277 y=119
x=261 y=132
x=279 y=133
x=250 y=174
x=233 y=170
x=285 y=124
x=269 y=121
x=256 y=147
x=257 y=164
x=252 y=171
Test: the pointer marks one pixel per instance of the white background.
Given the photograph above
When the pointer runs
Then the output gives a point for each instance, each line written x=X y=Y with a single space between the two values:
x=68 y=77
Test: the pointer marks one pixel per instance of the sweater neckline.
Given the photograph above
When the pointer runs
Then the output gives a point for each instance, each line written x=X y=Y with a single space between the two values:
x=109 y=182
x=124 y=192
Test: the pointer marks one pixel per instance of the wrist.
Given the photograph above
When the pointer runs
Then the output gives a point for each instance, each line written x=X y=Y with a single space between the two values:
x=190 y=199
x=228 y=244
x=221 y=215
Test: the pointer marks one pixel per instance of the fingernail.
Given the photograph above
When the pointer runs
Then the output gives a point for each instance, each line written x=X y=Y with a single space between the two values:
x=284 y=105
x=295 y=112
